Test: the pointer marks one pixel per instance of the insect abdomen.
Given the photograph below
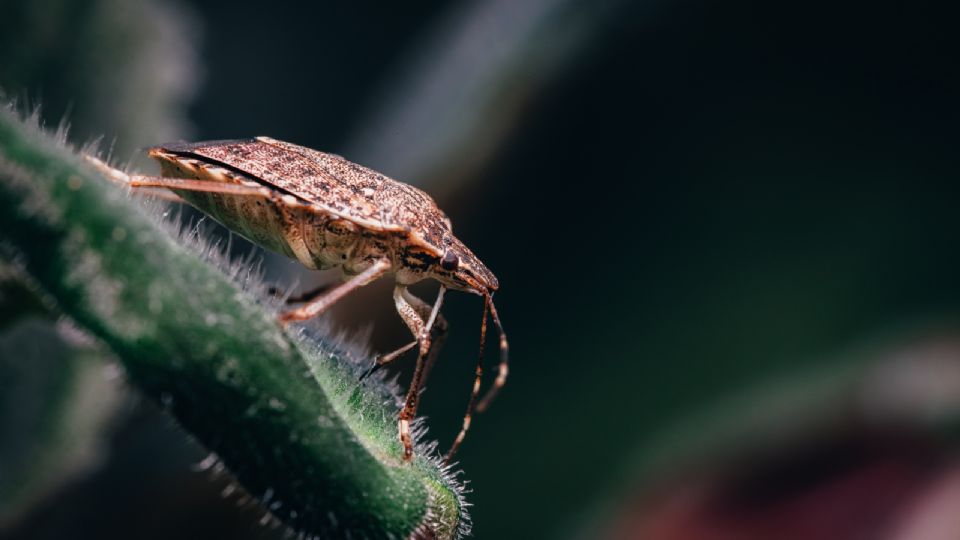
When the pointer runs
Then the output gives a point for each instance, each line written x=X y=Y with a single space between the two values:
x=255 y=218
x=329 y=241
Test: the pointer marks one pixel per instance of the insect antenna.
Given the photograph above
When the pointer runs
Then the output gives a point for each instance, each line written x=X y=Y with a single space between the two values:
x=474 y=393
x=503 y=369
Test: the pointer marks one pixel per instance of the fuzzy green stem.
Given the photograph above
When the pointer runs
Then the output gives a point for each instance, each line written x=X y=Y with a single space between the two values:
x=285 y=414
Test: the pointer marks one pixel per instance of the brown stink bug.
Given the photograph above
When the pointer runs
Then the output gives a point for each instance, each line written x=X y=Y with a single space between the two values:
x=328 y=212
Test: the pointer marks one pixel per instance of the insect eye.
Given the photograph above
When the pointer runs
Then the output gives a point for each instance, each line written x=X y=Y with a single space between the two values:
x=450 y=261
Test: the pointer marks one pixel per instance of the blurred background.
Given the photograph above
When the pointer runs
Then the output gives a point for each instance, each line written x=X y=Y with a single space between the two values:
x=725 y=232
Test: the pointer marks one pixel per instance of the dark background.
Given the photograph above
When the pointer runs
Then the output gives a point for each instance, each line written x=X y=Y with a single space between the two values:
x=682 y=200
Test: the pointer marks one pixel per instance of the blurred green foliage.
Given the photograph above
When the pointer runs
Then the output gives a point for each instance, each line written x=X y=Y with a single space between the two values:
x=121 y=70
x=54 y=403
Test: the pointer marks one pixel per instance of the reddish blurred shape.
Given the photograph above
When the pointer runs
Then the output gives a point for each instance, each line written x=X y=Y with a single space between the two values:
x=851 y=485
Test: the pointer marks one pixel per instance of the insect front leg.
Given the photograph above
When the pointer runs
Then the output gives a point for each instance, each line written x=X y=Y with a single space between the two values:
x=421 y=329
x=438 y=330
x=440 y=327
x=319 y=305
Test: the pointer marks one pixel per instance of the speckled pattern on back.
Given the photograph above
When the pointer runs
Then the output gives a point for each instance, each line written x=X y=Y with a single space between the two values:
x=340 y=186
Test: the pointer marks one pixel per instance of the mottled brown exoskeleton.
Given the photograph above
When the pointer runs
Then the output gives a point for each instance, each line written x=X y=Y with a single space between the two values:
x=328 y=212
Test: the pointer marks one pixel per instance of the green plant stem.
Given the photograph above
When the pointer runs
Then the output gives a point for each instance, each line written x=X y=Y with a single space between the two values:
x=285 y=414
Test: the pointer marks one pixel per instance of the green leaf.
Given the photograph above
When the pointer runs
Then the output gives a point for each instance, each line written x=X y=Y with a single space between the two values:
x=282 y=411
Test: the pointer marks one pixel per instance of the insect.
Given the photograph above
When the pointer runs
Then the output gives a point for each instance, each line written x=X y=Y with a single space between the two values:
x=328 y=212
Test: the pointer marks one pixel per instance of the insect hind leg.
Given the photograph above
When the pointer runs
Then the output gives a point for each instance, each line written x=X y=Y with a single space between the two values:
x=143 y=181
x=119 y=177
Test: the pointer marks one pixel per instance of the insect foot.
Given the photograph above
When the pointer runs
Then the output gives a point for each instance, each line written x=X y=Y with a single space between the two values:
x=382 y=360
x=403 y=428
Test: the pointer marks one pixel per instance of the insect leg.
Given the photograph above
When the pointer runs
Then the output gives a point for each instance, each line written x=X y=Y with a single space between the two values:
x=421 y=329
x=302 y=297
x=382 y=360
x=319 y=305
x=473 y=393
x=119 y=177
x=440 y=325
x=424 y=310
x=503 y=369
x=142 y=181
